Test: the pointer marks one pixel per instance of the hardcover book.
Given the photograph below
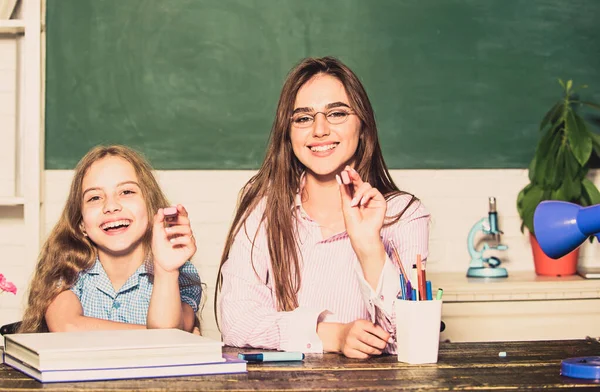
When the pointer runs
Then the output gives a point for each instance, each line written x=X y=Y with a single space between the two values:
x=230 y=365
x=111 y=349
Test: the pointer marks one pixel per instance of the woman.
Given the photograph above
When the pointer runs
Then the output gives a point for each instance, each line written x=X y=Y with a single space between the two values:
x=305 y=265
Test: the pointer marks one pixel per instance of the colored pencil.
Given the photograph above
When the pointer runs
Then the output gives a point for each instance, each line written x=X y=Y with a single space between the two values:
x=397 y=256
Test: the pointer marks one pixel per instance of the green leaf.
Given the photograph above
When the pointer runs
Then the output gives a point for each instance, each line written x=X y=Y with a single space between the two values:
x=591 y=104
x=522 y=194
x=569 y=85
x=538 y=172
x=553 y=166
x=546 y=194
x=531 y=170
x=595 y=143
x=579 y=139
x=571 y=190
x=527 y=202
x=555 y=172
x=582 y=126
x=571 y=185
x=585 y=199
x=551 y=115
x=558 y=126
x=561 y=83
x=547 y=149
x=520 y=198
x=572 y=166
x=559 y=194
x=591 y=191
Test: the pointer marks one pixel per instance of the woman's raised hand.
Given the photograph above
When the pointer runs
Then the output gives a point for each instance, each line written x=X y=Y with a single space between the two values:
x=364 y=209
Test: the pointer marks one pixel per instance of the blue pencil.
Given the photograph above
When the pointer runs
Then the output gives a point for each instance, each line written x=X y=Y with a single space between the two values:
x=402 y=287
x=428 y=289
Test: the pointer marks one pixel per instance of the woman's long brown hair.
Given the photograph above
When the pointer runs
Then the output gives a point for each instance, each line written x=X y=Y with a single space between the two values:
x=67 y=251
x=278 y=179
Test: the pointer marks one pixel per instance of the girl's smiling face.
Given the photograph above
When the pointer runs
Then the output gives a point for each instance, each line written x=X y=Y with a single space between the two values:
x=114 y=214
x=324 y=148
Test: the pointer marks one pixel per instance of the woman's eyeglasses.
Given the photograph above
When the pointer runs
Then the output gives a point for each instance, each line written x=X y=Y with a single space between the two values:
x=333 y=117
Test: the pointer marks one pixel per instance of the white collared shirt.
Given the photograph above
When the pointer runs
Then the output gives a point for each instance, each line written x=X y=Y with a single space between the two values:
x=333 y=287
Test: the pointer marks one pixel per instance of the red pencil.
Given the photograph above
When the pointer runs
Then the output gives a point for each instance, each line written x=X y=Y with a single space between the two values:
x=422 y=279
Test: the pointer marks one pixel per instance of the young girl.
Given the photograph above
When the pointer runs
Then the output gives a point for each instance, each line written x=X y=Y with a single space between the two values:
x=113 y=261
x=306 y=264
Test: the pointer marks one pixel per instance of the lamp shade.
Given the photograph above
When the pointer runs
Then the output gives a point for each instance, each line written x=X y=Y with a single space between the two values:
x=561 y=227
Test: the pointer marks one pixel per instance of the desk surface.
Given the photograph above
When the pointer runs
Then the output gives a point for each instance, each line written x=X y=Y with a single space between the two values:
x=461 y=366
x=518 y=286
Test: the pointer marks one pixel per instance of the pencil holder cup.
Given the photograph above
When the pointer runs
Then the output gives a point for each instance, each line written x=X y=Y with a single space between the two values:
x=418 y=330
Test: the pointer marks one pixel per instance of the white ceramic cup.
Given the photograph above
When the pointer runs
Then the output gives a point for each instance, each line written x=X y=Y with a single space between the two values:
x=418 y=330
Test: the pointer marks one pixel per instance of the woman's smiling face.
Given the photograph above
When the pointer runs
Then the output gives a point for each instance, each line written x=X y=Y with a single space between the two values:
x=324 y=148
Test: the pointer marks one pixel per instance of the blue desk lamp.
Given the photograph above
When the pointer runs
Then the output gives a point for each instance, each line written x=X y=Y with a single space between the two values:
x=559 y=228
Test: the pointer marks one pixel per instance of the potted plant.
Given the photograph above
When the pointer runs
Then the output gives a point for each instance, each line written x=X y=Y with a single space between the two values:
x=558 y=172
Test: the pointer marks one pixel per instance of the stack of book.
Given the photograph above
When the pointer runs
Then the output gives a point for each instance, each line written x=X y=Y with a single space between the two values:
x=106 y=355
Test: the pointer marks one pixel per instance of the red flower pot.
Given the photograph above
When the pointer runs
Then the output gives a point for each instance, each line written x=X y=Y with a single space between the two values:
x=544 y=265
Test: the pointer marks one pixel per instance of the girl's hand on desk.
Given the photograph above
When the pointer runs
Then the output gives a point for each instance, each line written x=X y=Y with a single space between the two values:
x=364 y=209
x=361 y=339
x=173 y=245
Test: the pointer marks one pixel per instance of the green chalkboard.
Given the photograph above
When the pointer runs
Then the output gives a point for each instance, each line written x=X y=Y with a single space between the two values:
x=194 y=83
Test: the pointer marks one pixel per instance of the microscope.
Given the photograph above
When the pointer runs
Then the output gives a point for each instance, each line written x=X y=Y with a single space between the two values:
x=480 y=266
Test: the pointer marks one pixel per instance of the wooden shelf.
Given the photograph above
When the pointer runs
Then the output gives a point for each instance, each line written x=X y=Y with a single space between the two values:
x=12 y=26
x=12 y=201
x=519 y=286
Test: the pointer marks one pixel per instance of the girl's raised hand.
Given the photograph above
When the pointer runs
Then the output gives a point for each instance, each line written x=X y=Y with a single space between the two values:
x=173 y=242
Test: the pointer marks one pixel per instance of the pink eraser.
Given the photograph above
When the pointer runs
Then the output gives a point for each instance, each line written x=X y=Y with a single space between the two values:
x=170 y=211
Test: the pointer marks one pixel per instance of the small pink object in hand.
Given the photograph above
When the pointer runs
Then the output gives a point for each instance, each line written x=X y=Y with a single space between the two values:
x=170 y=214
x=170 y=211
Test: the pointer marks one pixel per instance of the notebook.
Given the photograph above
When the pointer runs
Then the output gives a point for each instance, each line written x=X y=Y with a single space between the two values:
x=227 y=366
x=111 y=349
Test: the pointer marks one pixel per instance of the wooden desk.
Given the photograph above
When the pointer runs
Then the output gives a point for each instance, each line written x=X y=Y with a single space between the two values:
x=523 y=306
x=461 y=366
